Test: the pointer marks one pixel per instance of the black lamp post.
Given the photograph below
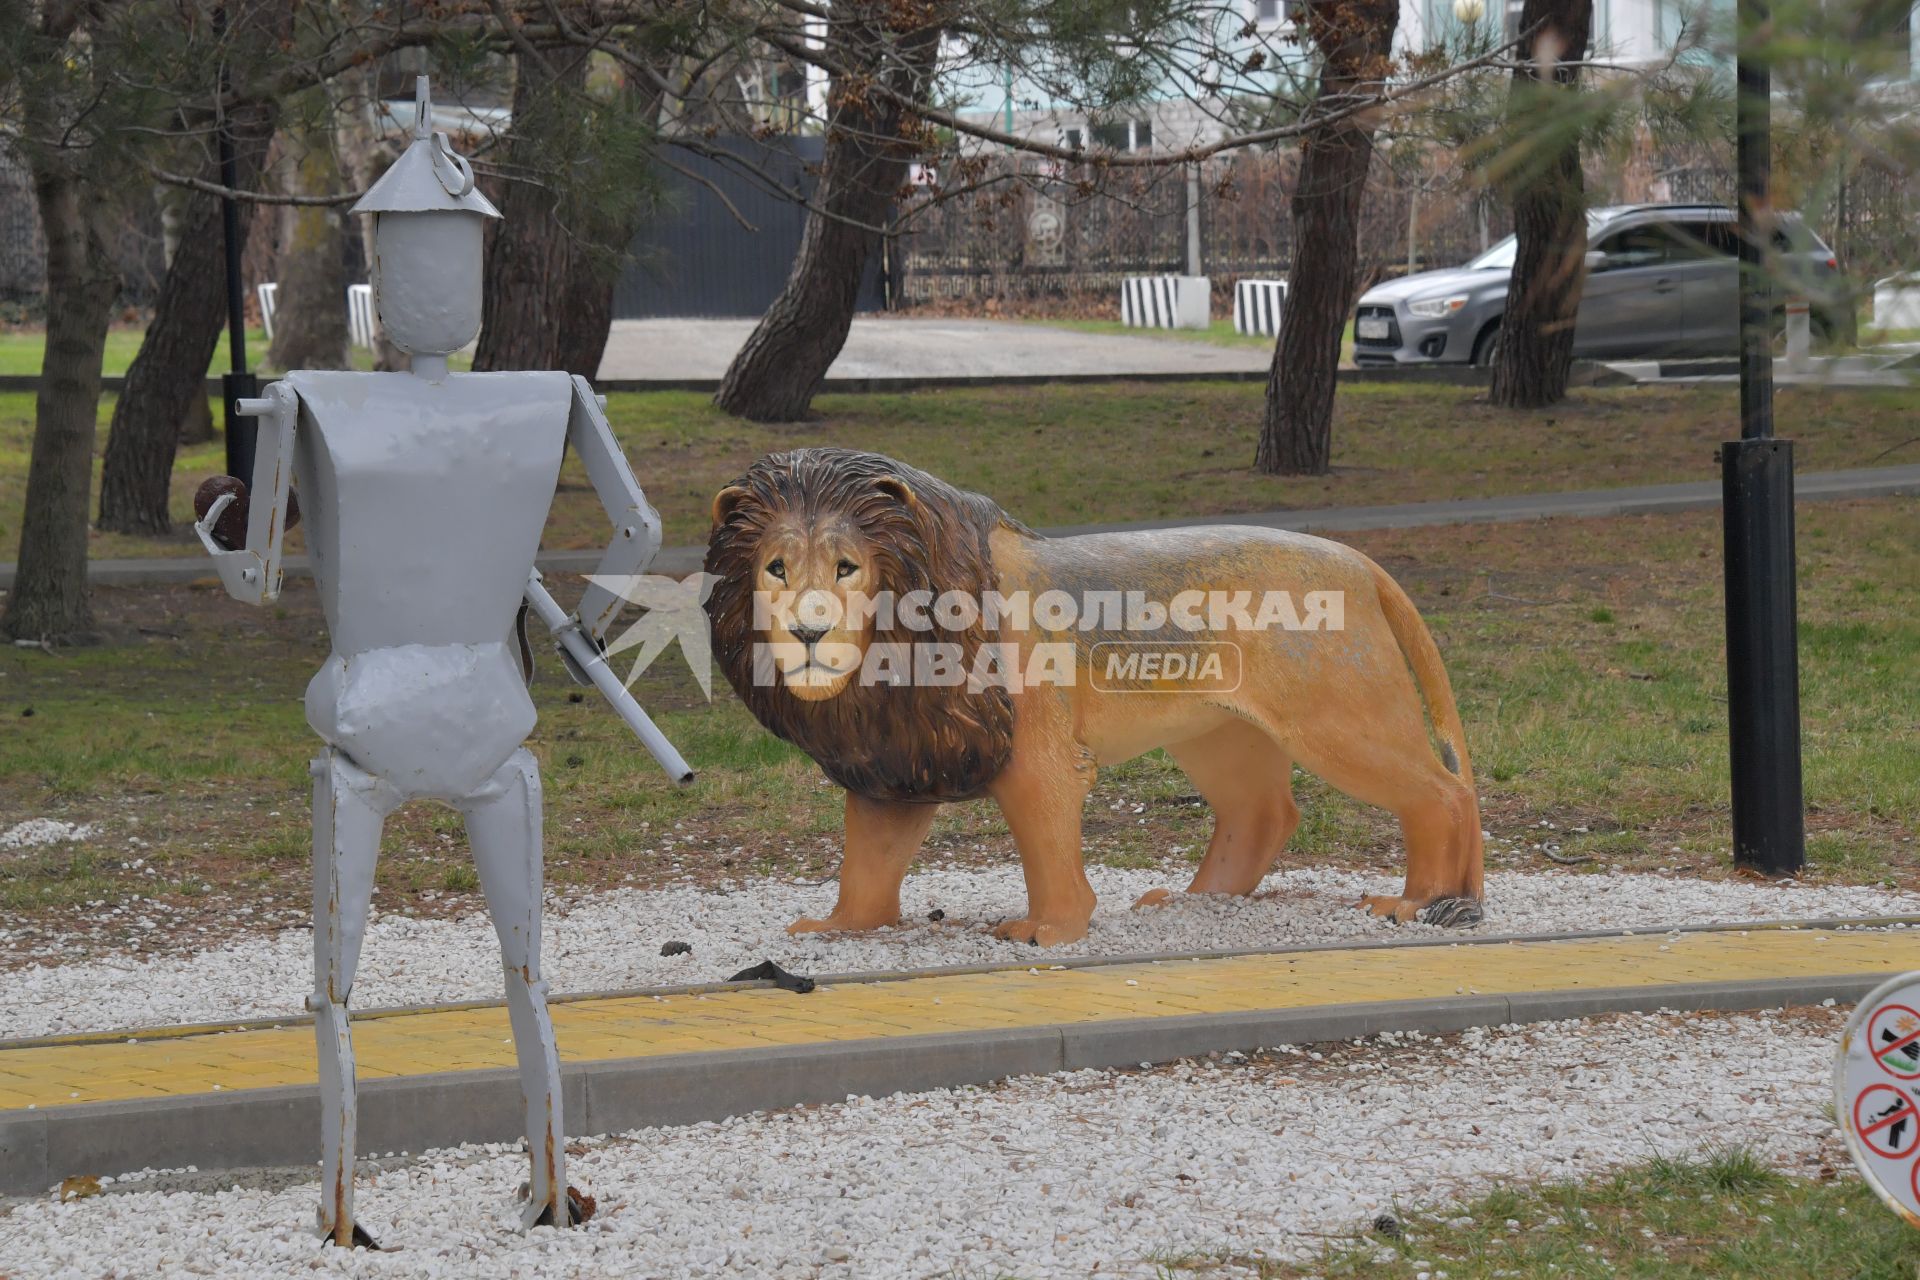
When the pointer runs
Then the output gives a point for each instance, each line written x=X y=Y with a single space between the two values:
x=238 y=383
x=1763 y=676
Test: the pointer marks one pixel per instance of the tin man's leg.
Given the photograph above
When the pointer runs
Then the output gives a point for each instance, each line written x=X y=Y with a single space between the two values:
x=503 y=826
x=349 y=806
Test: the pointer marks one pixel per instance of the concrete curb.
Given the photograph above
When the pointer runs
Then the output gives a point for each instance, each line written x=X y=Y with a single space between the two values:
x=280 y=1126
x=1655 y=499
x=1810 y=924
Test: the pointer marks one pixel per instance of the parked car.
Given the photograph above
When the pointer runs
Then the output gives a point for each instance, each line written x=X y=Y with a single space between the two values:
x=1661 y=280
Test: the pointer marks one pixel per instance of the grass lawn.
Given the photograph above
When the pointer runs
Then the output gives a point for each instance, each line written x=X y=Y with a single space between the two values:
x=22 y=349
x=1128 y=451
x=1587 y=657
x=1726 y=1215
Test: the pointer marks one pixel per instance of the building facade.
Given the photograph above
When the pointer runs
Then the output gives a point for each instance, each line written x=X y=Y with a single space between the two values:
x=1627 y=33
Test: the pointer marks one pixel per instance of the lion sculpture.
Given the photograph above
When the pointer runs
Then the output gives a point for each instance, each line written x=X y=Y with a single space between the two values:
x=806 y=542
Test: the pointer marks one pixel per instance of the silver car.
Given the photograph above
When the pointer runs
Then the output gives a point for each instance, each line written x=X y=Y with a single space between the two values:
x=1661 y=280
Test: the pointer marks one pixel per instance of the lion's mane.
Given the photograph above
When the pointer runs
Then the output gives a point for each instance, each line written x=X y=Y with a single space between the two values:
x=887 y=742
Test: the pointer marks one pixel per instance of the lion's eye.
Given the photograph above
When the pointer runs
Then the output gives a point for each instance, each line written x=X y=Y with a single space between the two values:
x=778 y=569
x=846 y=568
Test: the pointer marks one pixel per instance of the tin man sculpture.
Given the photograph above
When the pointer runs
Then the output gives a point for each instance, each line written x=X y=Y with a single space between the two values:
x=425 y=494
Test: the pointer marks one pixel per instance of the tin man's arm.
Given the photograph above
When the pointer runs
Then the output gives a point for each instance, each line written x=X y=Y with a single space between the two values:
x=636 y=524
x=251 y=574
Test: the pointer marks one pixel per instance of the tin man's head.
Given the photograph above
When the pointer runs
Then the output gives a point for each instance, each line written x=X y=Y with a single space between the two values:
x=428 y=233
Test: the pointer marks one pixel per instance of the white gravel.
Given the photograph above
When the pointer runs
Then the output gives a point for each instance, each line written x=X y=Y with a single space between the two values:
x=35 y=832
x=612 y=939
x=1084 y=1174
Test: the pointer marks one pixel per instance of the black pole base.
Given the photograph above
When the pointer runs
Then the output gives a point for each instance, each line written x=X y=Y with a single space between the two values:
x=241 y=432
x=1763 y=674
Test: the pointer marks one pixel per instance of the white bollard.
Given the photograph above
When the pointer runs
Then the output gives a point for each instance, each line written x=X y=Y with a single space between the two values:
x=1257 y=305
x=1193 y=302
x=1166 y=302
x=1896 y=303
x=1799 y=334
x=269 y=296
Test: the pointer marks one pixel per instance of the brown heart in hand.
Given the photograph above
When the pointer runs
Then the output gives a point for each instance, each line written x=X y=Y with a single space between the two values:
x=230 y=530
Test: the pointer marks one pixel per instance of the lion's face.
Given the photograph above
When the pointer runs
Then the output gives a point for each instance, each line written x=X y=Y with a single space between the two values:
x=807 y=550
x=808 y=579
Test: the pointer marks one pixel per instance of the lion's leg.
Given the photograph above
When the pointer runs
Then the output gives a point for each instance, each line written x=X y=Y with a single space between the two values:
x=882 y=837
x=1247 y=777
x=1439 y=814
x=1042 y=792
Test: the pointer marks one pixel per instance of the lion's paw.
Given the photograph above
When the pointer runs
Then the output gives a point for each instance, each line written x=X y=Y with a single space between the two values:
x=1453 y=913
x=1041 y=933
x=1446 y=913
x=1389 y=907
x=1153 y=898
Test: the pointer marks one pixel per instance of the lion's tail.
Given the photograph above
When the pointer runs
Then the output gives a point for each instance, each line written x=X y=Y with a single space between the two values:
x=1416 y=642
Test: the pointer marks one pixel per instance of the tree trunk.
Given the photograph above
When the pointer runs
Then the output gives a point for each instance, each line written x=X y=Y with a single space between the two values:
x=1353 y=38
x=1549 y=208
x=49 y=599
x=176 y=205
x=365 y=157
x=587 y=318
x=525 y=298
x=169 y=375
x=310 y=312
x=774 y=376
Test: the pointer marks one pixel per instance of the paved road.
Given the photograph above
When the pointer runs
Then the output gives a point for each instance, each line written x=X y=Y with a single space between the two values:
x=1654 y=499
x=678 y=350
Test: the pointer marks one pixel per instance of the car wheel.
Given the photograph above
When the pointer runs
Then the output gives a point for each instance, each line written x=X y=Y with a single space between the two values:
x=1486 y=348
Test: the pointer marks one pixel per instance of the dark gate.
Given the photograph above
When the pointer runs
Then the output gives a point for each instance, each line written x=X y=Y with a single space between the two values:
x=695 y=259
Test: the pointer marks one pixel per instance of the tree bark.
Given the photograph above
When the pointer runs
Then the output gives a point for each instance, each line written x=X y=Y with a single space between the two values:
x=49 y=599
x=1549 y=208
x=774 y=376
x=366 y=157
x=1354 y=38
x=176 y=204
x=169 y=374
x=525 y=298
x=310 y=312
x=587 y=319
x=552 y=262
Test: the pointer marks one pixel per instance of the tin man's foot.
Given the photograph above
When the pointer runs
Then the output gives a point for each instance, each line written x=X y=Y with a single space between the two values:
x=580 y=1207
x=359 y=1239
x=503 y=826
x=348 y=808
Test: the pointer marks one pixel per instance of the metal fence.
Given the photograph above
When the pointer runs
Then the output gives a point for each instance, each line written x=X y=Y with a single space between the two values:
x=695 y=258
x=1034 y=234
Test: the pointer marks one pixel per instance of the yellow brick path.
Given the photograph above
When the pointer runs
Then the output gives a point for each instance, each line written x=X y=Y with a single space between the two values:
x=49 y=1074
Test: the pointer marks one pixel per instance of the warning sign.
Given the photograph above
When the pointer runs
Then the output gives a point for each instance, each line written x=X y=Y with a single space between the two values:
x=1876 y=1080
x=1893 y=1037
x=1887 y=1121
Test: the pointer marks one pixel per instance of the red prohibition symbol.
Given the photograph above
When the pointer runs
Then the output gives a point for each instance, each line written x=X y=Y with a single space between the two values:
x=1893 y=1038
x=1887 y=1121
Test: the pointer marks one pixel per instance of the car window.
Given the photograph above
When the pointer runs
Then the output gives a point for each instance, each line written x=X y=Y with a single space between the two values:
x=1702 y=239
x=1642 y=246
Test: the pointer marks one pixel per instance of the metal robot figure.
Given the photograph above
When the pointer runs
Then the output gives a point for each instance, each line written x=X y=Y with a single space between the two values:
x=425 y=494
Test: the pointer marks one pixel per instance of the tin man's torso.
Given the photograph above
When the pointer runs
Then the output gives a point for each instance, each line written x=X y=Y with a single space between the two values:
x=424 y=503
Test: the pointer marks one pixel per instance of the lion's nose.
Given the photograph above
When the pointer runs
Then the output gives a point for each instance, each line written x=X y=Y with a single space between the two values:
x=809 y=636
